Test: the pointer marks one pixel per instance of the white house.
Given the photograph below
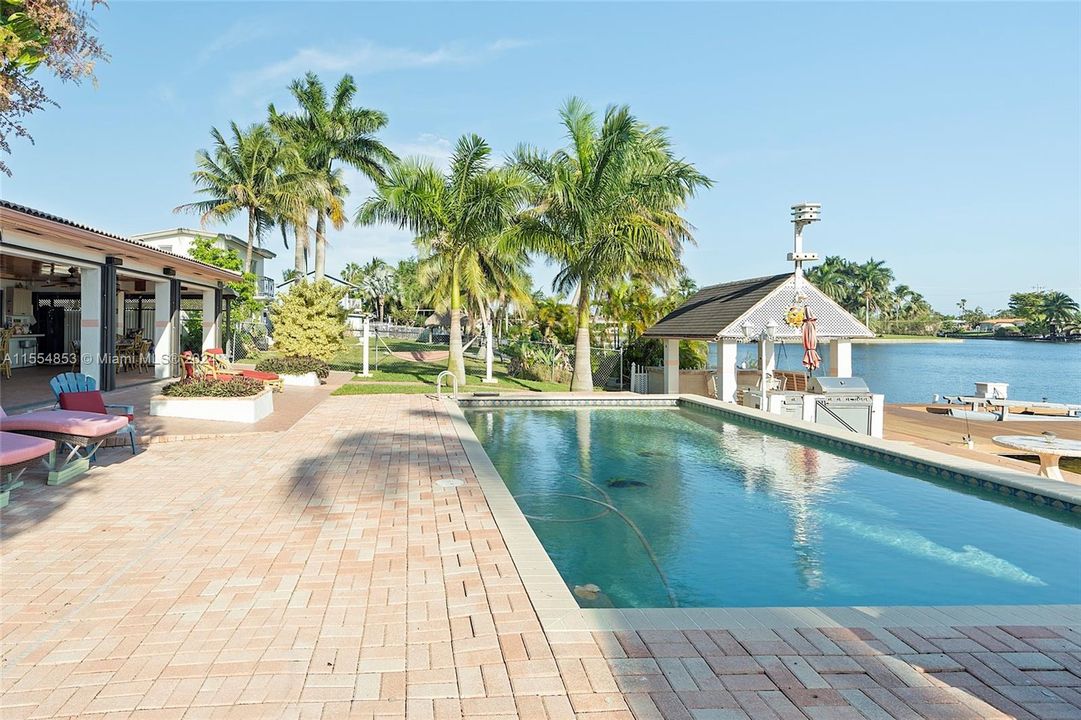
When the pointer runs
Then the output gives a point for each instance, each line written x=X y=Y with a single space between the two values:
x=179 y=241
x=73 y=291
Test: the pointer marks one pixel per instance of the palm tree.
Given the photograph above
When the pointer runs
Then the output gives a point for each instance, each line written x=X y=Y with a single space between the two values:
x=378 y=283
x=458 y=218
x=329 y=130
x=832 y=277
x=607 y=208
x=871 y=279
x=1058 y=309
x=298 y=190
x=239 y=176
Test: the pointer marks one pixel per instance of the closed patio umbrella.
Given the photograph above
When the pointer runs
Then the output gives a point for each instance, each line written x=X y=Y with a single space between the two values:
x=811 y=358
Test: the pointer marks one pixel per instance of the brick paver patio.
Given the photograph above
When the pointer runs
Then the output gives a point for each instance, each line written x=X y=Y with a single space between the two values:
x=320 y=573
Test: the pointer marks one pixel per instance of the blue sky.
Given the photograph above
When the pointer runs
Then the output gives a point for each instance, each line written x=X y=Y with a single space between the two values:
x=943 y=138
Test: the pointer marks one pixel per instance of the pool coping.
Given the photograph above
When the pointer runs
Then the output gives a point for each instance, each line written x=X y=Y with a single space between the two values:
x=558 y=611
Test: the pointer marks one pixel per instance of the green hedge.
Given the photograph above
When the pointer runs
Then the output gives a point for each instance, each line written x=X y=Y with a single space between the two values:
x=294 y=366
x=235 y=387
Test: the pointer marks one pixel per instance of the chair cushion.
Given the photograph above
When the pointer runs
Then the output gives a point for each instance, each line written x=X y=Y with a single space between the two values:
x=69 y=422
x=16 y=448
x=259 y=375
x=89 y=401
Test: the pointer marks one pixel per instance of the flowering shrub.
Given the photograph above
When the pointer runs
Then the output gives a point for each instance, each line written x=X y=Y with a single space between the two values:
x=294 y=366
x=232 y=387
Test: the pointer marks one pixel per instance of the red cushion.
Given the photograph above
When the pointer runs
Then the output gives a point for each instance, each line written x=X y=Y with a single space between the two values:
x=89 y=401
x=258 y=375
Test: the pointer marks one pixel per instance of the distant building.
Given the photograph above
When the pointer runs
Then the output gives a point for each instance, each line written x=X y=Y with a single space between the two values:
x=994 y=324
x=179 y=241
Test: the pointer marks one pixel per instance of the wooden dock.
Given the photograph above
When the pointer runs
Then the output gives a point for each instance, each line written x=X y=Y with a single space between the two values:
x=913 y=424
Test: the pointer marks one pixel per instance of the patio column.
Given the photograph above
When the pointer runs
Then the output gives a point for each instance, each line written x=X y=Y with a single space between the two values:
x=107 y=311
x=840 y=358
x=211 y=318
x=163 y=330
x=726 y=369
x=90 y=330
x=671 y=366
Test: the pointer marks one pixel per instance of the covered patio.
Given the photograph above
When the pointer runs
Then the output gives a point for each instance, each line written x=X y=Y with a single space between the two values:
x=76 y=298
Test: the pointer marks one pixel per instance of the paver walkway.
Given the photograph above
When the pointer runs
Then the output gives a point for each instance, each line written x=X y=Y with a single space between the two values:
x=321 y=573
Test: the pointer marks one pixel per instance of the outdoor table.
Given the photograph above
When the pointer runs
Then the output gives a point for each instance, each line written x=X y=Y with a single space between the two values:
x=1048 y=449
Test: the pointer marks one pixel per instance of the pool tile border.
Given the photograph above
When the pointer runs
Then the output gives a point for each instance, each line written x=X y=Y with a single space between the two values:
x=558 y=611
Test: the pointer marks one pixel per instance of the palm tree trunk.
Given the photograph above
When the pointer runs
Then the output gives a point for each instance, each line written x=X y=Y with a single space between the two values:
x=582 y=379
x=456 y=361
x=320 y=244
x=252 y=227
x=300 y=247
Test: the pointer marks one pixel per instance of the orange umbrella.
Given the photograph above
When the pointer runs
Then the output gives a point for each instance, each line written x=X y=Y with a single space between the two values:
x=811 y=358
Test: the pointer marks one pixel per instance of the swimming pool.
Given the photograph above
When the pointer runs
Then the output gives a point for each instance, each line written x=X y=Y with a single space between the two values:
x=642 y=508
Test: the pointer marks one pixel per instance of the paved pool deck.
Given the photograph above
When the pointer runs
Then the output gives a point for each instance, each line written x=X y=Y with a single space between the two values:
x=322 y=572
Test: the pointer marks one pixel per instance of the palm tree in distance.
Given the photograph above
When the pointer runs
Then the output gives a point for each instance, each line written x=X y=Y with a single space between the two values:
x=607 y=208
x=457 y=217
x=238 y=176
x=1058 y=308
x=871 y=280
x=329 y=131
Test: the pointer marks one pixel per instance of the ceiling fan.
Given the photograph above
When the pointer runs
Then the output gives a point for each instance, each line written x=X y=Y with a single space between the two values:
x=71 y=280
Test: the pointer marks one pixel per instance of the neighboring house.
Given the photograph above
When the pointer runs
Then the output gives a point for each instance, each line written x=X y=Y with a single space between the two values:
x=994 y=324
x=179 y=241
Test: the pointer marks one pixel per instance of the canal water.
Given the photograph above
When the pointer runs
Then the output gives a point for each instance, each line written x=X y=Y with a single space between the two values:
x=915 y=372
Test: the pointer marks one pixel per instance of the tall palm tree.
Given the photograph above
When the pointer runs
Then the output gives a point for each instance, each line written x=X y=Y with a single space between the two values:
x=297 y=191
x=871 y=280
x=329 y=130
x=1058 y=309
x=607 y=208
x=457 y=217
x=238 y=176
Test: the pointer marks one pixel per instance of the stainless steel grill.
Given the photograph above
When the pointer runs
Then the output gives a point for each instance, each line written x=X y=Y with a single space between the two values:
x=843 y=403
x=829 y=385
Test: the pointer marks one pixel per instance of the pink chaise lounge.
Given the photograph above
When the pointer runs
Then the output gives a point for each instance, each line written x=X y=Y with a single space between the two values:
x=80 y=433
x=18 y=452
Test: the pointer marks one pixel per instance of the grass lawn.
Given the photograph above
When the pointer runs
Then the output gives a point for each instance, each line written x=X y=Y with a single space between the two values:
x=395 y=375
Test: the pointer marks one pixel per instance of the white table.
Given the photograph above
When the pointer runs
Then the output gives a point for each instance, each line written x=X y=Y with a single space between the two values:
x=1048 y=449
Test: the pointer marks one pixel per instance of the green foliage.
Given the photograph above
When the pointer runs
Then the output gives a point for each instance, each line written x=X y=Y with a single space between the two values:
x=545 y=361
x=328 y=129
x=291 y=365
x=233 y=387
x=693 y=354
x=607 y=208
x=309 y=320
x=459 y=218
x=863 y=289
x=239 y=177
x=1045 y=312
x=206 y=251
x=191 y=332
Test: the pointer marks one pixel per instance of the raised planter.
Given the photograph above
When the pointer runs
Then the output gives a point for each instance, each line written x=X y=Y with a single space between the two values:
x=305 y=380
x=230 y=409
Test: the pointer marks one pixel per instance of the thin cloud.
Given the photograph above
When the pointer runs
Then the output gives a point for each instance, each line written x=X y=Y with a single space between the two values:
x=237 y=35
x=366 y=58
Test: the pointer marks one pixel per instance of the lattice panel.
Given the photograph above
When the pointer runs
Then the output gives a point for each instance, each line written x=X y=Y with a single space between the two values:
x=833 y=320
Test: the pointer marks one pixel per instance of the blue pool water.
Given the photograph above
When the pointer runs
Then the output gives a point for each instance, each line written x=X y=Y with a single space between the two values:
x=714 y=514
